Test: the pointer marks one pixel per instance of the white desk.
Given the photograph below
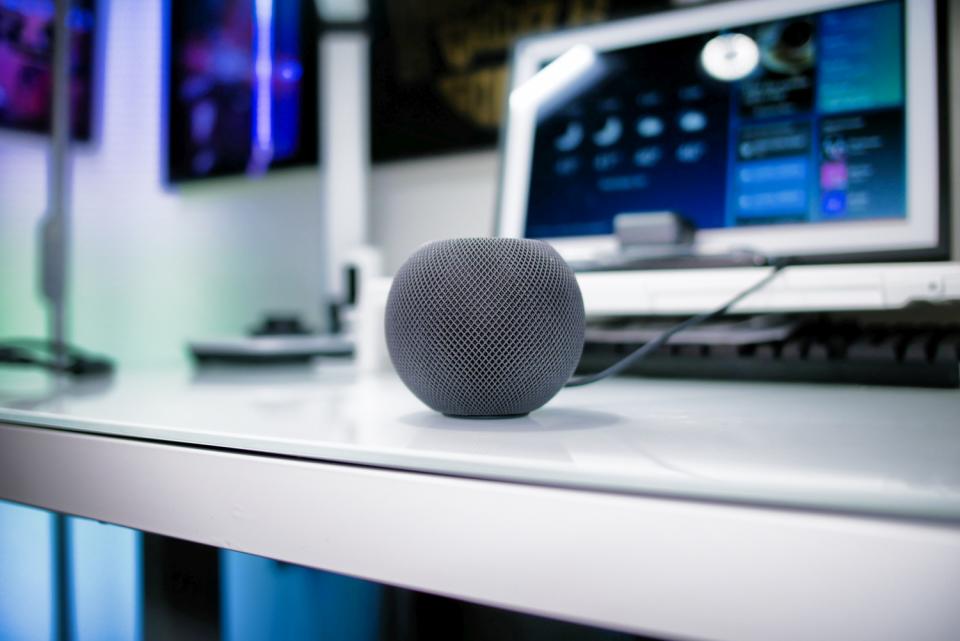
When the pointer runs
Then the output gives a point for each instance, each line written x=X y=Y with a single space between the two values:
x=676 y=509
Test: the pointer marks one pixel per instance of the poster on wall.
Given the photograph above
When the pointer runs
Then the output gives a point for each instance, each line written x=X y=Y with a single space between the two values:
x=26 y=65
x=438 y=68
x=242 y=87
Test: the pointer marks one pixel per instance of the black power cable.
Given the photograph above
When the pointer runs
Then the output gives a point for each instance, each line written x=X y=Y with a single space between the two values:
x=648 y=348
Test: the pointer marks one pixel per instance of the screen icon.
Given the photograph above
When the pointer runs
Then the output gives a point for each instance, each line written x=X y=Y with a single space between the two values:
x=833 y=175
x=566 y=166
x=647 y=156
x=649 y=126
x=610 y=133
x=692 y=120
x=691 y=151
x=730 y=56
x=570 y=138
x=834 y=203
x=606 y=161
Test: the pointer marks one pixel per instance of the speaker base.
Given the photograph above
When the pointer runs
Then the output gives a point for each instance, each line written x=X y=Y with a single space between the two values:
x=490 y=417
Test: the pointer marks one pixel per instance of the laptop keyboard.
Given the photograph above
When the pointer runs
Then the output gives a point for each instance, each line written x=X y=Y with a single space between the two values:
x=815 y=350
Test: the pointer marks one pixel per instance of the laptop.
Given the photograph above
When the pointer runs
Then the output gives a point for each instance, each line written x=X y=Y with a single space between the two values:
x=811 y=132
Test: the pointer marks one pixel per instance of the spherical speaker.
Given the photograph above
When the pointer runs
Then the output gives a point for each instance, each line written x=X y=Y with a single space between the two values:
x=485 y=327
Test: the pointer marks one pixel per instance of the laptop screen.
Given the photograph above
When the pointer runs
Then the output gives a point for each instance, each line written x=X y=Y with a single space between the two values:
x=799 y=120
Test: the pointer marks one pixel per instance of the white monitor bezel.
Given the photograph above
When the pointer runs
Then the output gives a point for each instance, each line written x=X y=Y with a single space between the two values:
x=918 y=231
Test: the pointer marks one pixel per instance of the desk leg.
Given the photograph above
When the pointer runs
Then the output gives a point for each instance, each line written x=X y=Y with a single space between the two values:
x=63 y=594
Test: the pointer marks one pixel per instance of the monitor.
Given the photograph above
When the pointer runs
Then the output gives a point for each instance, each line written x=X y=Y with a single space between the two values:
x=807 y=129
x=26 y=61
x=242 y=87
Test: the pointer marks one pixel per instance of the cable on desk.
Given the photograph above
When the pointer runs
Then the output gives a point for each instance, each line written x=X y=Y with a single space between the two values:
x=648 y=348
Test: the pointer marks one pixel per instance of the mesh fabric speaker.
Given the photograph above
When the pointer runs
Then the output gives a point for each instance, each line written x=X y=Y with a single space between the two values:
x=485 y=327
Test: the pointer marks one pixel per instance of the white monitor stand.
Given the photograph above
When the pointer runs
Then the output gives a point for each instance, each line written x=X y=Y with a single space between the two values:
x=54 y=226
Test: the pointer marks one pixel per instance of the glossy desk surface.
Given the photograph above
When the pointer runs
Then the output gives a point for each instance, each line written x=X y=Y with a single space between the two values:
x=881 y=451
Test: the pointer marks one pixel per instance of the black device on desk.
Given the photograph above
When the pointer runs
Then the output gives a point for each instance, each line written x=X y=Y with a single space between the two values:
x=278 y=339
x=48 y=355
x=284 y=338
x=812 y=347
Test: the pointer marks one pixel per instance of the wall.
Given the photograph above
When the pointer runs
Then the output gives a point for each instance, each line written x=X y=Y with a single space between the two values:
x=151 y=267
x=416 y=201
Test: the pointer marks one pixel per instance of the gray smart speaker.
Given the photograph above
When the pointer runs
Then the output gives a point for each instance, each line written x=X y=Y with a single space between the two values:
x=485 y=327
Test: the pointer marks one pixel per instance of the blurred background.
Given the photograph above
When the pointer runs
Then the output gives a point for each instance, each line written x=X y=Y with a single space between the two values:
x=227 y=157
x=166 y=242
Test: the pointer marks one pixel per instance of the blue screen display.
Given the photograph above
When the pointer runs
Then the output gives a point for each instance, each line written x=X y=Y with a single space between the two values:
x=813 y=133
